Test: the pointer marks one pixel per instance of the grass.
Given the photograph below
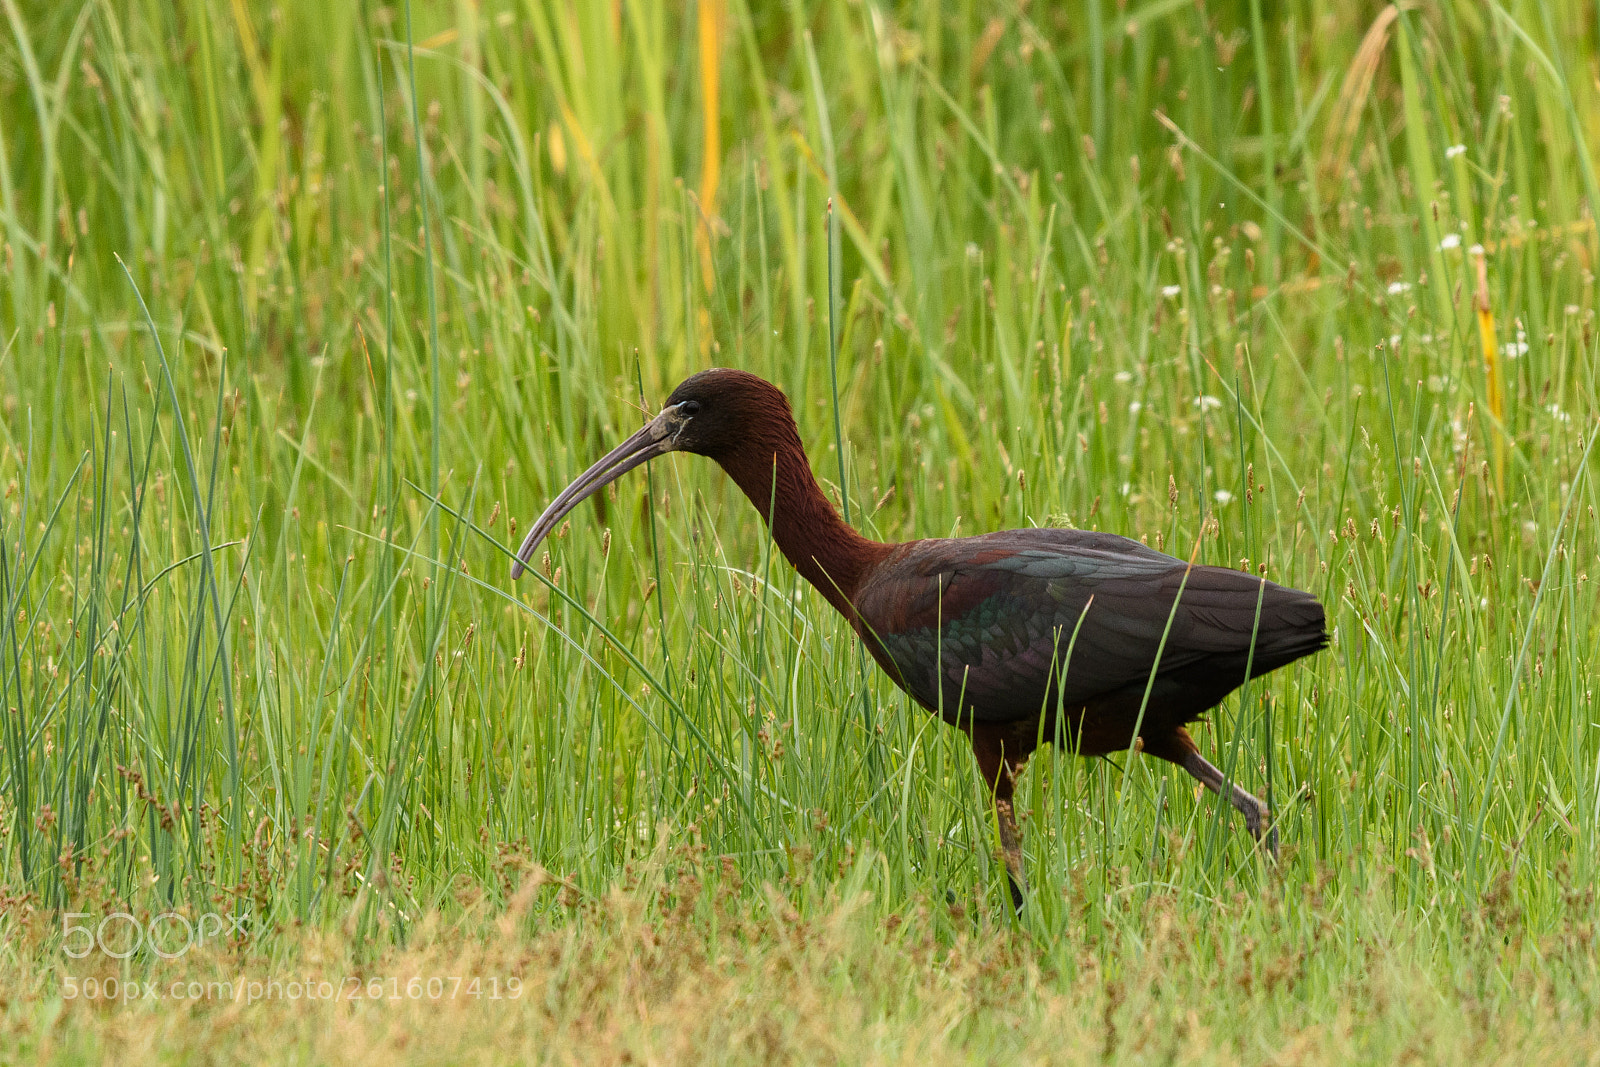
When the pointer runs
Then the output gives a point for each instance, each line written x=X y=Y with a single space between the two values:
x=308 y=307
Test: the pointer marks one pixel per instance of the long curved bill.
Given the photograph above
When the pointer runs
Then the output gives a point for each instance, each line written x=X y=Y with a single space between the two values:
x=650 y=441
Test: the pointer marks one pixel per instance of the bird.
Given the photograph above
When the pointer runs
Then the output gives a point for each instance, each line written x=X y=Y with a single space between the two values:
x=1016 y=638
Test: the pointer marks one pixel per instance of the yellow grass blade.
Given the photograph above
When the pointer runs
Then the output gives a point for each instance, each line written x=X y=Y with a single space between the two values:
x=1353 y=92
x=710 y=39
x=1491 y=368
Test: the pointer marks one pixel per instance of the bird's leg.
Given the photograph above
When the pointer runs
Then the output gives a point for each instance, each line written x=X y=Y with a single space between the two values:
x=1176 y=746
x=1011 y=846
x=1256 y=816
x=999 y=775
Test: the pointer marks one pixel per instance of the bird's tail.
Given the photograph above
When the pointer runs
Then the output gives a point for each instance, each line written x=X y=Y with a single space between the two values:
x=1293 y=625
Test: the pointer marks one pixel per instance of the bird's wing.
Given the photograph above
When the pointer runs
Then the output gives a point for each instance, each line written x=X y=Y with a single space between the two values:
x=1000 y=624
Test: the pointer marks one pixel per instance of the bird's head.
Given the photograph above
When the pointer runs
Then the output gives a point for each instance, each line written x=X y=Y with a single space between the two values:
x=719 y=412
x=714 y=413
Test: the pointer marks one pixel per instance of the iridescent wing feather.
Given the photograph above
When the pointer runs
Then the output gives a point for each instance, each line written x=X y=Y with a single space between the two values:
x=1001 y=624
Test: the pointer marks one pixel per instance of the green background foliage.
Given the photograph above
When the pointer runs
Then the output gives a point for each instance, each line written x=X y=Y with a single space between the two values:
x=307 y=307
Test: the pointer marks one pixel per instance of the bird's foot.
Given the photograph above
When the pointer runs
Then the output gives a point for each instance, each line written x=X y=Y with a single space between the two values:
x=1018 y=897
x=1256 y=816
x=1011 y=851
x=1272 y=841
x=1259 y=821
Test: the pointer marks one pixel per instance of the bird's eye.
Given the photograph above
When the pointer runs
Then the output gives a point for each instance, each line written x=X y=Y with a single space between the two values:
x=689 y=408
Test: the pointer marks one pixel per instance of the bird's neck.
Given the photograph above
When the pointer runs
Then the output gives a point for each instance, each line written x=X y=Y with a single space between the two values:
x=775 y=474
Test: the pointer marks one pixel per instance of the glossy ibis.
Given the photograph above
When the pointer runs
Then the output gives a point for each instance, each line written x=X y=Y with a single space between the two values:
x=1009 y=635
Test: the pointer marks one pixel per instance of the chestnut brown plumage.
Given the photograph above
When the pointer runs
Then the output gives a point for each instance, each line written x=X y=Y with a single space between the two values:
x=1012 y=637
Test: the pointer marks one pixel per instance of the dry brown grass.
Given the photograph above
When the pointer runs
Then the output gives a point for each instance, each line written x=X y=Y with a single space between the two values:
x=671 y=972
